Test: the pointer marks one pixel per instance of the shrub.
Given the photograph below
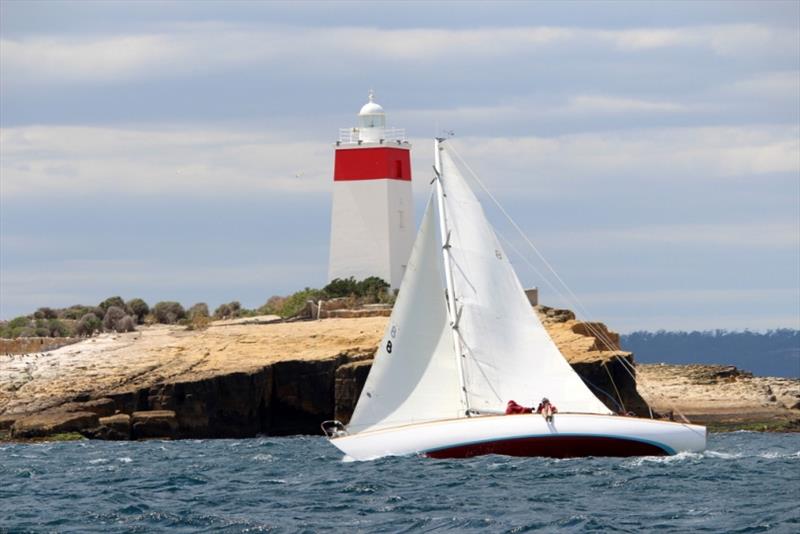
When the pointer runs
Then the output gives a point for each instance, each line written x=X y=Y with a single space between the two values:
x=341 y=287
x=58 y=328
x=198 y=316
x=168 y=312
x=273 y=305
x=18 y=327
x=297 y=301
x=223 y=311
x=112 y=301
x=45 y=313
x=126 y=324
x=42 y=331
x=138 y=309
x=88 y=325
x=25 y=331
x=113 y=316
x=372 y=287
x=19 y=322
x=74 y=312
x=230 y=310
x=198 y=310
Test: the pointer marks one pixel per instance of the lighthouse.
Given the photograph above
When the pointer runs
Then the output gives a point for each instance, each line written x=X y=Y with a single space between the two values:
x=372 y=220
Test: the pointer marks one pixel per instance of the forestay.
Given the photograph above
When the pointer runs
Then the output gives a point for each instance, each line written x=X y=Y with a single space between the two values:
x=507 y=352
x=414 y=376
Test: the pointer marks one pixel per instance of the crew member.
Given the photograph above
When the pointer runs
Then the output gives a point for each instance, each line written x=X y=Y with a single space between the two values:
x=513 y=408
x=547 y=409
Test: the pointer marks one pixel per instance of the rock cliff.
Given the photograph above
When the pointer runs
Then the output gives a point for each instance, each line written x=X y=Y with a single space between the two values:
x=239 y=380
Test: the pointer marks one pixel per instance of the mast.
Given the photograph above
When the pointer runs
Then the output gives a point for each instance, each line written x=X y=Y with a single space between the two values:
x=448 y=275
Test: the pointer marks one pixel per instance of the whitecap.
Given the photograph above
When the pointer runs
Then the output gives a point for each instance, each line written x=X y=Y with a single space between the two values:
x=722 y=455
x=125 y=460
x=681 y=456
x=98 y=461
x=263 y=457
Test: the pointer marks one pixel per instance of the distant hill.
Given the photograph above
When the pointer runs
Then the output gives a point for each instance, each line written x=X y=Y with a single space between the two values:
x=773 y=353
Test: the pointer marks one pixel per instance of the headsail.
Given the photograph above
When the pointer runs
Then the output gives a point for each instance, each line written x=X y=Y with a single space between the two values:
x=507 y=352
x=414 y=377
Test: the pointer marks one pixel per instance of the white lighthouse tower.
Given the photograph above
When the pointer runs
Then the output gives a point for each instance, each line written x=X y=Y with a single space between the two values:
x=372 y=222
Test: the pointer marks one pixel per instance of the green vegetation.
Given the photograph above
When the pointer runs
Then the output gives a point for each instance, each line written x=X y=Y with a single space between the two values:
x=758 y=426
x=368 y=291
x=197 y=317
x=112 y=301
x=295 y=302
x=231 y=310
x=198 y=310
x=138 y=309
x=115 y=315
x=168 y=312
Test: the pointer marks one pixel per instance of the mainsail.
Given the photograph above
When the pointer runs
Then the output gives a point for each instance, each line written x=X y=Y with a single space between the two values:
x=507 y=353
x=414 y=376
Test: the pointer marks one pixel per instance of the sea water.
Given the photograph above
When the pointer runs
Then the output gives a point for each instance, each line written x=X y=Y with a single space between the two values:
x=745 y=482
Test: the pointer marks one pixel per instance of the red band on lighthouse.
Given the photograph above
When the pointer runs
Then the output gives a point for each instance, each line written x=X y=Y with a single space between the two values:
x=372 y=163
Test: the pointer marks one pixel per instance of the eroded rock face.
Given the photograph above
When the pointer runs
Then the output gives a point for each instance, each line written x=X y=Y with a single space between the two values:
x=350 y=380
x=26 y=345
x=230 y=405
x=303 y=396
x=53 y=422
x=154 y=424
x=102 y=407
x=115 y=427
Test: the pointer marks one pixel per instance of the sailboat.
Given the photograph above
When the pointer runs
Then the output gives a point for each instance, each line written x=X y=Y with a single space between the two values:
x=462 y=341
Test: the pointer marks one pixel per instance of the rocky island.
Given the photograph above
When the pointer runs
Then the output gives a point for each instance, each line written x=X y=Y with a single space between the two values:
x=273 y=377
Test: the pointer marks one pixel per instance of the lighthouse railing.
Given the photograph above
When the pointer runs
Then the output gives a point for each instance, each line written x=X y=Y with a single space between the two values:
x=350 y=135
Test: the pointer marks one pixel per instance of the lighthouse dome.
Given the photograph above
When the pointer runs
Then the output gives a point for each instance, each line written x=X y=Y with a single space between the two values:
x=371 y=107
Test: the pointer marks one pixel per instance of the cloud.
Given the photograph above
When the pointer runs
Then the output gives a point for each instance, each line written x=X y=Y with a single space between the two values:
x=723 y=40
x=201 y=48
x=59 y=160
x=204 y=160
x=779 y=84
x=771 y=234
x=587 y=104
x=644 y=156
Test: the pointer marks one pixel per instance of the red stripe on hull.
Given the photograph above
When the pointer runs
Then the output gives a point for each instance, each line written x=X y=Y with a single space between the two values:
x=372 y=164
x=554 y=447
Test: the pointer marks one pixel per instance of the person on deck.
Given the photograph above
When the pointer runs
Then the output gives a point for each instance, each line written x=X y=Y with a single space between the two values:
x=546 y=409
x=512 y=408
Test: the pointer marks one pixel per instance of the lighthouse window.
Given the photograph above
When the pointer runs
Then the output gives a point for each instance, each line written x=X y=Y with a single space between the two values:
x=398 y=169
x=372 y=121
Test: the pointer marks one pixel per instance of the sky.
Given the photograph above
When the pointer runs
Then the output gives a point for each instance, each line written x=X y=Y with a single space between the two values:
x=184 y=150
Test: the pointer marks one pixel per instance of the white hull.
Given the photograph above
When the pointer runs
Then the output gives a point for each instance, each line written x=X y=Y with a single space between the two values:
x=569 y=435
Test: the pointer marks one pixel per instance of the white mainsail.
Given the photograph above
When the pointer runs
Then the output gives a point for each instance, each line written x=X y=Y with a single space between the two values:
x=414 y=376
x=507 y=353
